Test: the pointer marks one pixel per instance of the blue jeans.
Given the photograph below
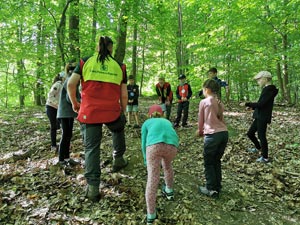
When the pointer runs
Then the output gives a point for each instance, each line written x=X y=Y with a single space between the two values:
x=214 y=147
x=92 y=140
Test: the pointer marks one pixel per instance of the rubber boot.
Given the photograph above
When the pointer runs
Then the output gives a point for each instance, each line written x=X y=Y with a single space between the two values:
x=119 y=163
x=92 y=193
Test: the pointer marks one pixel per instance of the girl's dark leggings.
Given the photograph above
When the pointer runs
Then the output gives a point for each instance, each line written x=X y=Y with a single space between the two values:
x=65 y=141
x=54 y=124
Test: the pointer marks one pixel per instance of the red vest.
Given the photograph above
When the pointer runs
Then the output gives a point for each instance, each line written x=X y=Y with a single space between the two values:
x=163 y=91
x=100 y=101
x=183 y=90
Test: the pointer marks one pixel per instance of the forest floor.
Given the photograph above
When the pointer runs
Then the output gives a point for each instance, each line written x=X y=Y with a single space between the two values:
x=34 y=190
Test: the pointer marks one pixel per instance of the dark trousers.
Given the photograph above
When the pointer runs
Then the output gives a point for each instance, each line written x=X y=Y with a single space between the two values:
x=214 y=147
x=168 y=111
x=65 y=141
x=92 y=139
x=54 y=123
x=182 y=106
x=260 y=127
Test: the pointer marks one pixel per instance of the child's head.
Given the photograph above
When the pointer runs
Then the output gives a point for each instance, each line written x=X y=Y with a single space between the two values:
x=182 y=78
x=155 y=111
x=161 y=81
x=131 y=79
x=263 y=78
x=212 y=72
x=210 y=87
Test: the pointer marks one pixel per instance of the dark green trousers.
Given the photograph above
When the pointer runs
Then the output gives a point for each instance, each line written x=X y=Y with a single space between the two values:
x=92 y=139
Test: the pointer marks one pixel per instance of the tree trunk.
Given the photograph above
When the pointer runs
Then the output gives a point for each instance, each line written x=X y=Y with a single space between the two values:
x=134 y=52
x=74 y=30
x=179 y=51
x=143 y=61
x=39 y=89
x=285 y=73
x=94 y=28
x=122 y=34
x=20 y=71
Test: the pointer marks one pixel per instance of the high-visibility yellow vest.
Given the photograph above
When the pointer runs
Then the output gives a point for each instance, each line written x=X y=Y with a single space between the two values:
x=110 y=71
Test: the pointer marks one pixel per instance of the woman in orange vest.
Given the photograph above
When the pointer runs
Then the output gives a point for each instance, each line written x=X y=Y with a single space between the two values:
x=103 y=101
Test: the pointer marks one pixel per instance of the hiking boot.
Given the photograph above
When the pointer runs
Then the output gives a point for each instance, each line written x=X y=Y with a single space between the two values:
x=210 y=193
x=168 y=196
x=72 y=162
x=118 y=164
x=92 y=193
x=252 y=150
x=262 y=160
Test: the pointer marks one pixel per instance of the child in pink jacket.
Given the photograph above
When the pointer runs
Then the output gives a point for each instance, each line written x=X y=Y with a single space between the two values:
x=211 y=125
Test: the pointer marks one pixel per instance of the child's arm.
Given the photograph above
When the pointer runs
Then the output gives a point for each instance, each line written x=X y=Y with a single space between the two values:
x=143 y=142
x=265 y=97
x=190 y=93
x=201 y=119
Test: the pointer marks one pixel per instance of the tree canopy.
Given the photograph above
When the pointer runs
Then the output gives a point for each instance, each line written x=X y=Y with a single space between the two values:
x=154 y=38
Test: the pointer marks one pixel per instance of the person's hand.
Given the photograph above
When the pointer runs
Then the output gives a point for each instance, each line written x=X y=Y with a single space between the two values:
x=198 y=134
x=76 y=106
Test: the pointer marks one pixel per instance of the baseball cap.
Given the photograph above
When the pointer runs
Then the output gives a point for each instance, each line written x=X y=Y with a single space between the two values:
x=131 y=77
x=155 y=108
x=181 y=76
x=262 y=74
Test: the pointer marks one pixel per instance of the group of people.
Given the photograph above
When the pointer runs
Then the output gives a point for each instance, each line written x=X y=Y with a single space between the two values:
x=105 y=98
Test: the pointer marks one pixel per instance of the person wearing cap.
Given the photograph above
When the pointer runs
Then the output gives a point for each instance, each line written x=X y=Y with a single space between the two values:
x=159 y=147
x=183 y=94
x=66 y=116
x=51 y=108
x=165 y=95
x=262 y=115
x=103 y=102
x=132 y=108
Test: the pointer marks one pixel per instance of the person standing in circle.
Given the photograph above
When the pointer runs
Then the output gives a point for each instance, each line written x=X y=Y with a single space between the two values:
x=103 y=101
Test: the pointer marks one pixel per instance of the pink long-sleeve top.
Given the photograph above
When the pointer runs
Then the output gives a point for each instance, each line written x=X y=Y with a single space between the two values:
x=208 y=121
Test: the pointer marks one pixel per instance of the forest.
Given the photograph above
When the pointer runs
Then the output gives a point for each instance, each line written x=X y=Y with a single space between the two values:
x=154 y=38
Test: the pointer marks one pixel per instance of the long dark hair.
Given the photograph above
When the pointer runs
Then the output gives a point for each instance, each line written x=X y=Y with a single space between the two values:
x=58 y=77
x=214 y=87
x=104 y=52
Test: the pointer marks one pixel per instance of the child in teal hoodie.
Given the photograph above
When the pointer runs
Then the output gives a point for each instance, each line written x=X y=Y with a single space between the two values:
x=159 y=147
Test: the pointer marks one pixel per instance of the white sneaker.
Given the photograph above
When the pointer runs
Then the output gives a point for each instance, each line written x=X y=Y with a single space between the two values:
x=262 y=160
x=252 y=150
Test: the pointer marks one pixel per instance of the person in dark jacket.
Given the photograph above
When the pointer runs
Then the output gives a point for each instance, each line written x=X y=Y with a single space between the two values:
x=133 y=102
x=66 y=115
x=212 y=74
x=262 y=114
x=183 y=94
